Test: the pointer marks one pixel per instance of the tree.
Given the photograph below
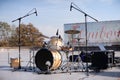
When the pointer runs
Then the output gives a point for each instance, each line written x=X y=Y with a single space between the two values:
x=5 y=32
x=29 y=36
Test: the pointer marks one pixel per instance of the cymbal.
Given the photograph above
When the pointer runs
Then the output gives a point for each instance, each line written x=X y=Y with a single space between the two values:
x=72 y=32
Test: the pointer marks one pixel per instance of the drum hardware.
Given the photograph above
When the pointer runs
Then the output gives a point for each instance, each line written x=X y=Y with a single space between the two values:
x=31 y=60
x=67 y=50
x=48 y=64
x=58 y=37
x=68 y=63
x=31 y=63
x=45 y=45
x=78 y=56
x=77 y=60
x=72 y=32
x=67 y=66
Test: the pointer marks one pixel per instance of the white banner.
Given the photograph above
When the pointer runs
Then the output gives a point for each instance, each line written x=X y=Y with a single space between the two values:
x=105 y=32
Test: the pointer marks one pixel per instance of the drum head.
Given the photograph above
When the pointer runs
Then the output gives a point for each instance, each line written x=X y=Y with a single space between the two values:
x=42 y=57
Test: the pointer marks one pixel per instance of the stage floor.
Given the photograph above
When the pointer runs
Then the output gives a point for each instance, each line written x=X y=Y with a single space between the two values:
x=7 y=73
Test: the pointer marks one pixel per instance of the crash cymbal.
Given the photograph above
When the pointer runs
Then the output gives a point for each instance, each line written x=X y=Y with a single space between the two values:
x=72 y=32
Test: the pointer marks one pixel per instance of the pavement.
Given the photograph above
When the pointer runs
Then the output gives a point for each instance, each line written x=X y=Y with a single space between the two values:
x=8 y=73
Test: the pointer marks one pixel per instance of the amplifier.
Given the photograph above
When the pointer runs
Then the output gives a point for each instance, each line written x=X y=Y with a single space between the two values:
x=102 y=59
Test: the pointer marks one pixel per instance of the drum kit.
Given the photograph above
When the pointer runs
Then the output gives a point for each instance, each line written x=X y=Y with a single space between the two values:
x=55 y=56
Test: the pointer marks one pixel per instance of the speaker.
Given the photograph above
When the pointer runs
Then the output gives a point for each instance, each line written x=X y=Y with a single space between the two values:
x=99 y=60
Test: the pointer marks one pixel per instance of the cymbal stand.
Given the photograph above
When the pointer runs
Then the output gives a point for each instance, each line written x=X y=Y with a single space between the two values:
x=29 y=66
x=69 y=64
x=72 y=52
x=72 y=62
x=33 y=59
x=79 y=58
x=29 y=62
x=66 y=66
x=72 y=32
x=72 y=47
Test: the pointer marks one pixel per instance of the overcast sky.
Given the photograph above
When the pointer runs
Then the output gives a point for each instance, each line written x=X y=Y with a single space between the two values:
x=53 y=14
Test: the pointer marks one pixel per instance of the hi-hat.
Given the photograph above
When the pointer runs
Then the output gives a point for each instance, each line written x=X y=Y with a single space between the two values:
x=72 y=32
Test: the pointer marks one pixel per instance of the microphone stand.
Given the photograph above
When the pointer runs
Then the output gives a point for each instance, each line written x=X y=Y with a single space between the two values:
x=85 y=14
x=19 y=42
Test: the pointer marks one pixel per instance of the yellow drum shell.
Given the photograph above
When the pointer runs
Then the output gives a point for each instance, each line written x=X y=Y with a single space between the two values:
x=49 y=58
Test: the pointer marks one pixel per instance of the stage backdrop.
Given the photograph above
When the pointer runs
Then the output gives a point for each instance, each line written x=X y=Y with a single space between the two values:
x=103 y=32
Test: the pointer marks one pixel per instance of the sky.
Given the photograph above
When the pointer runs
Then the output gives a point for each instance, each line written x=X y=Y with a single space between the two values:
x=53 y=14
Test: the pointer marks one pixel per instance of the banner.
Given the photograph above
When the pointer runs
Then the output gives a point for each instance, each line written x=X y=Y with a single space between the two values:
x=104 y=32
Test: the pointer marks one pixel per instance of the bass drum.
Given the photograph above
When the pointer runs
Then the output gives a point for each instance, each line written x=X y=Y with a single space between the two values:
x=45 y=58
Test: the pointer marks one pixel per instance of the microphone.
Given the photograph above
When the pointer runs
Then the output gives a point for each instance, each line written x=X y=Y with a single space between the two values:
x=36 y=12
x=71 y=7
x=57 y=32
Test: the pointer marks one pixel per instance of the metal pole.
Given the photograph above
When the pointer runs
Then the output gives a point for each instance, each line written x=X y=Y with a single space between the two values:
x=19 y=43
x=86 y=43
